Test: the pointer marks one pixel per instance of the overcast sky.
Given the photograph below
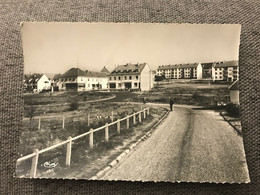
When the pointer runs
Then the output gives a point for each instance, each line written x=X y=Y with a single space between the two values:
x=56 y=47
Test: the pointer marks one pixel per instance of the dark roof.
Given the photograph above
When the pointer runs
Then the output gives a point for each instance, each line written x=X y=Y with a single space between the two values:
x=104 y=69
x=166 y=67
x=207 y=65
x=226 y=64
x=128 y=69
x=96 y=74
x=73 y=72
x=234 y=86
x=32 y=79
x=192 y=65
x=56 y=76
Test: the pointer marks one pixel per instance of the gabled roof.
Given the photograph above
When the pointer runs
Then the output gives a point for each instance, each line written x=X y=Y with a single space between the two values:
x=74 y=72
x=128 y=69
x=104 y=69
x=226 y=64
x=234 y=86
x=32 y=79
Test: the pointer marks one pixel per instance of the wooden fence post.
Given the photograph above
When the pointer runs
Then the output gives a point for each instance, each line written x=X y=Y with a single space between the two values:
x=68 y=155
x=63 y=122
x=144 y=114
x=112 y=116
x=134 y=119
x=39 y=125
x=127 y=122
x=106 y=133
x=140 y=117
x=118 y=126
x=88 y=120
x=34 y=164
x=91 y=138
x=148 y=111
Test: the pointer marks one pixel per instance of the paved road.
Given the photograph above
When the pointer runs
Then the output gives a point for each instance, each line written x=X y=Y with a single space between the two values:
x=190 y=145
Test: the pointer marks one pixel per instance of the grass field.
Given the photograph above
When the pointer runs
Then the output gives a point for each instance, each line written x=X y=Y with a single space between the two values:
x=52 y=133
x=190 y=92
x=58 y=102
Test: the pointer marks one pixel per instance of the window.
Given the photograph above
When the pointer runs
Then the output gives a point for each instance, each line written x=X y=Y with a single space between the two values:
x=46 y=81
x=135 y=84
x=119 y=78
x=110 y=78
x=114 y=78
x=125 y=77
x=136 y=76
x=119 y=84
x=130 y=77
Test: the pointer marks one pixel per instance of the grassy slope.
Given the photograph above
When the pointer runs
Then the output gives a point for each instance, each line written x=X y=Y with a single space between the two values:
x=188 y=92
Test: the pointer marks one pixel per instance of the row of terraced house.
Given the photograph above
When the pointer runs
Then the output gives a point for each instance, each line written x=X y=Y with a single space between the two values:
x=216 y=71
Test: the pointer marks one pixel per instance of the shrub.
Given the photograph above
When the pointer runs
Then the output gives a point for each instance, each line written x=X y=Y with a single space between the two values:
x=232 y=109
x=74 y=106
x=195 y=96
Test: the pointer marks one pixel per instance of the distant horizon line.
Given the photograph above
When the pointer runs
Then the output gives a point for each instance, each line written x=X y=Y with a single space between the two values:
x=106 y=66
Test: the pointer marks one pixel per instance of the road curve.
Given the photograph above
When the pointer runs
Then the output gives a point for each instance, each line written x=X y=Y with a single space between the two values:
x=190 y=145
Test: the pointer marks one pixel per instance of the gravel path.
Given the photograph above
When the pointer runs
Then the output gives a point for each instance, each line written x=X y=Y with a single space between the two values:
x=190 y=145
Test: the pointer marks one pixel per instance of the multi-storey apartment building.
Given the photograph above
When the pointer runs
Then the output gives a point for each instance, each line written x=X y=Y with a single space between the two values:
x=179 y=71
x=131 y=76
x=78 y=80
x=225 y=71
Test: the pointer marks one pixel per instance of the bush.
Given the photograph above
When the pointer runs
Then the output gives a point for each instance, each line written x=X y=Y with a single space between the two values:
x=74 y=106
x=232 y=109
x=195 y=96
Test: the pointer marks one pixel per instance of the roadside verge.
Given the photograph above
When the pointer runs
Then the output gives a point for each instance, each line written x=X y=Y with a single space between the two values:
x=119 y=159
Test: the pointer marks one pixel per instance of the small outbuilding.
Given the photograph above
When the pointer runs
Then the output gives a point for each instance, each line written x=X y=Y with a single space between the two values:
x=234 y=92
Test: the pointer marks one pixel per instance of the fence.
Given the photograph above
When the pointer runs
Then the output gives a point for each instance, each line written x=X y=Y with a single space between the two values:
x=35 y=155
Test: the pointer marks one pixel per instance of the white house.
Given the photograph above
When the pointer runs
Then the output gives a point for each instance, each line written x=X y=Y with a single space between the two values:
x=37 y=82
x=234 y=92
x=132 y=77
x=77 y=80
x=181 y=71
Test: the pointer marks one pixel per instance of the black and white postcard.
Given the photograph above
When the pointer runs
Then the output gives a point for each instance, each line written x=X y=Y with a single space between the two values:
x=132 y=101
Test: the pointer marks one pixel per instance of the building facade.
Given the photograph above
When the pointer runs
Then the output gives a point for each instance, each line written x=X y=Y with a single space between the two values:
x=36 y=83
x=181 y=71
x=77 y=80
x=225 y=71
x=131 y=77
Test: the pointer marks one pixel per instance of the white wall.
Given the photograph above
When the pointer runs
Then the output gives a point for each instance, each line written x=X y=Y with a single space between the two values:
x=199 y=71
x=234 y=96
x=145 y=80
x=43 y=83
